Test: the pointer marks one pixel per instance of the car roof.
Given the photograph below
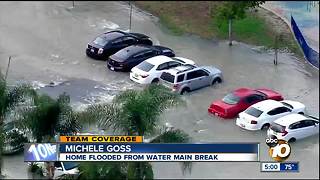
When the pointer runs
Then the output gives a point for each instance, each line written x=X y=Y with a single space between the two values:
x=267 y=105
x=290 y=119
x=243 y=92
x=180 y=69
x=112 y=35
x=157 y=60
x=133 y=49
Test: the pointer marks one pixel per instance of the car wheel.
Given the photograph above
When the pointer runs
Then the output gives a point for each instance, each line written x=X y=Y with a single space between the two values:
x=216 y=80
x=292 y=140
x=156 y=80
x=265 y=126
x=184 y=91
x=301 y=113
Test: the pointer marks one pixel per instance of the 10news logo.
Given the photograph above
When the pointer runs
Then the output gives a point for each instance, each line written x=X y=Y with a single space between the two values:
x=279 y=150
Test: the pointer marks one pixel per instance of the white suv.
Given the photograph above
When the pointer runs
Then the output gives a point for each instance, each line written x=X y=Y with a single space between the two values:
x=150 y=70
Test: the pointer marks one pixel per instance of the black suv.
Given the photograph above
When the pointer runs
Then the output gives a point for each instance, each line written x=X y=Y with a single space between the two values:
x=127 y=58
x=109 y=43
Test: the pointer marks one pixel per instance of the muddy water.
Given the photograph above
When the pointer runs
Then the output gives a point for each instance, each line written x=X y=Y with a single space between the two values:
x=47 y=41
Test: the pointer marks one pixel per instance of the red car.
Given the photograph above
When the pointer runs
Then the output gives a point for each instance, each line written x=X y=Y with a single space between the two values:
x=239 y=100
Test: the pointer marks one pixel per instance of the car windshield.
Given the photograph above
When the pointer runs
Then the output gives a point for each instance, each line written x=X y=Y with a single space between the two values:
x=70 y=165
x=231 y=99
x=127 y=52
x=167 y=77
x=145 y=66
x=100 y=41
x=287 y=105
x=122 y=55
x=261 y=93
x=253 y=112
x=178 y=60
x=113 y=35
x=277 y=127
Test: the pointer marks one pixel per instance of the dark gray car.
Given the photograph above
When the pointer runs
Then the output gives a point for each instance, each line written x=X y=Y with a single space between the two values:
x=189 y=77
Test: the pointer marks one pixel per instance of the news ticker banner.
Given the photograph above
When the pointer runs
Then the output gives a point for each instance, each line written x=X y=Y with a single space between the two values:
x=279 y=166
x=101 y=139
x=142 y=152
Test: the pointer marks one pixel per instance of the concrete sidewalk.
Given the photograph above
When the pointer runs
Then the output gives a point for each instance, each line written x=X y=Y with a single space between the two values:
x=306 y=15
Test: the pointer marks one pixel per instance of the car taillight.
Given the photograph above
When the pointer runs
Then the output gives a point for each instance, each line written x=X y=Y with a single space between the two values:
x=253 y=122
x=284 y=133
x=175 y=86
x=144 y=76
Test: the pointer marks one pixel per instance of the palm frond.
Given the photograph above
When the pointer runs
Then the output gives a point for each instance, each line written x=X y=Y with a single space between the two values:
x=143 y=108
x=164 y=96
x=45 y=118
x=63 y=98
x=107 y=116
x=1 y=146
x=128 y=95
x=172 y=136
x=68 y=123
x=9 y=98
x=140 y=114
x=159 y=99
x=137 y=112
x=16 y=94
x=102 y=170
x=175 y=136
x=114 y=170
x=68 y=177
x=186 y=167
x=139 y=170
x=3 y=94
x=68 y=119
x=89 y=170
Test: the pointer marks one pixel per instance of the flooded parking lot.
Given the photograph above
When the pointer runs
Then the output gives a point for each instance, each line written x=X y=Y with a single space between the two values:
x=47 y=43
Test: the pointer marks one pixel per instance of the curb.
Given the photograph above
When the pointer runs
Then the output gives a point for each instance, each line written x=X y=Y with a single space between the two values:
x=277 y=14
x=289 y=26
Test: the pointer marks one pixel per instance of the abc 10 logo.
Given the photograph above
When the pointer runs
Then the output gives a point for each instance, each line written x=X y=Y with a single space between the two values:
x=279 y=150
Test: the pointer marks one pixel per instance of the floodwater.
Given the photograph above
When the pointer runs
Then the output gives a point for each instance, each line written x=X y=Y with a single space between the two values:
x=47 y=41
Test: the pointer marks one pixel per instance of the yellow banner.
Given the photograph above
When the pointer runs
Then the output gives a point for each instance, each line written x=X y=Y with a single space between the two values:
x=118 y=139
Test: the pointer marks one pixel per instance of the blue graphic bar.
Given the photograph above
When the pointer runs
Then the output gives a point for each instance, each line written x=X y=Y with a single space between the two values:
x=289 y=167
x=310 y=54
x=158 y=148
x=40 y=152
